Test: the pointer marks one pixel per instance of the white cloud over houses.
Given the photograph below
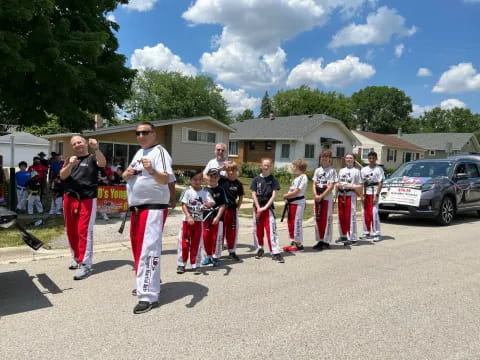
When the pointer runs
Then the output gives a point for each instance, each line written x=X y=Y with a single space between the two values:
x=249 y=52
x=399 y=50
x=239 y=100
x=140 y=5
x=459 y=78
x=424 y=72
x=160 y=57
x=447 y=104
x=337 y=74
x=111 y=17
x=381 y=26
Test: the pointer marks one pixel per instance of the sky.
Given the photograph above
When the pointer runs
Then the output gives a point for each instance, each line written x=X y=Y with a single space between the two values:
x=430 y=49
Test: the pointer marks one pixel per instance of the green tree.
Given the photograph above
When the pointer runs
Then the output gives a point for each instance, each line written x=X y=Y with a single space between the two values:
x=245 y=115
x=381 y=109
x=304 y=100
x=51 y=126
x=159 y=95
x=453 y=120
x=58 y=57
x=266 y=108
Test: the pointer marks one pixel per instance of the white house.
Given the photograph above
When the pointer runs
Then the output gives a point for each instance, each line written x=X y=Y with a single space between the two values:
x=26 y=146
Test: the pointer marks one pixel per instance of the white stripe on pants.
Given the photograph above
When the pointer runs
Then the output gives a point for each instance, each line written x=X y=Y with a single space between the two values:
x=352 y=235
x=266 y=225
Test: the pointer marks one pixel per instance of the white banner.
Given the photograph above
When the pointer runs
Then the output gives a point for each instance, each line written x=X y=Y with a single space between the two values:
x=400 y=195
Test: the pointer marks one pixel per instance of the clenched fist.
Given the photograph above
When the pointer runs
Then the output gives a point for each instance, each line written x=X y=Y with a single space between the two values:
x=73 y=160
x=93 y=144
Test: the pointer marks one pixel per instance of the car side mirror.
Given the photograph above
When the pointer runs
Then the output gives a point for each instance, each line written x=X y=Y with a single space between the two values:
x=461 y=176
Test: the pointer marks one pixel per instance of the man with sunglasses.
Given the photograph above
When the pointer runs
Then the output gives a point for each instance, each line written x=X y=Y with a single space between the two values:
x=147 y=177
x=219 y=162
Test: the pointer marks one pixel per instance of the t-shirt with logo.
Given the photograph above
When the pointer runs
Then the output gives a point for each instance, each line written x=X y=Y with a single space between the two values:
x=233 y=190
x=324 y=177
x=372 y=175
x=215 y=164
x=83 y=180
x=349 y=176
x=219 y=197
x=300 y=183
x=264 y=187
x=195 y=201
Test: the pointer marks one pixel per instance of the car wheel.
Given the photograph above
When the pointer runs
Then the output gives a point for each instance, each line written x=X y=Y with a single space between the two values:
x=447 y=212
x=383 y=216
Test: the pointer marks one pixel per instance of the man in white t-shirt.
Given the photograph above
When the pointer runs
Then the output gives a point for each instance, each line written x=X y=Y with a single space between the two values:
x=219 y=162
x=147 y=178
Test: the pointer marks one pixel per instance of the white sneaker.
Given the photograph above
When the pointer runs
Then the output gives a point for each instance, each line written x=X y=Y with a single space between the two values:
x=376 y=238
x=83 y=272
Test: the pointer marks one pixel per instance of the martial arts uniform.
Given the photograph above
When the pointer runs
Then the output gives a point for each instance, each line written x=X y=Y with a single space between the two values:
x=296 y=207
x=371 y=177
x=233 y=190
x=22 y=178
x=213 y=233
x=347 y=203
x=34 y=186
x=324 y=209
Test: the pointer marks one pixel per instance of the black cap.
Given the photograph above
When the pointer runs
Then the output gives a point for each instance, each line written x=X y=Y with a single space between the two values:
x=213 y=171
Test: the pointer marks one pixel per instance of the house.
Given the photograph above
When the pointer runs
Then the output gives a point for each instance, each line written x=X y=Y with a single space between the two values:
x=442 y=145
x=25 y=147
x=391 y=150
x=287 y=138
x=191 y=142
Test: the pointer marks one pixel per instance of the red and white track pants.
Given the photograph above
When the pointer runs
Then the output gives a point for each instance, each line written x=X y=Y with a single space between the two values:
x=79 y=218
x=371 y=220
x=189 y=241
x=323 y=220
x=146 y=231
x=212 y=238
x=295 y=220
x=347 y=215
x=265 y=224
x=230 y=229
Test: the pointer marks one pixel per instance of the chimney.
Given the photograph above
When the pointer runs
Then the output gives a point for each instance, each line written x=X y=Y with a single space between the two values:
x=98 y=122
x=271 y=116
x=399 y=132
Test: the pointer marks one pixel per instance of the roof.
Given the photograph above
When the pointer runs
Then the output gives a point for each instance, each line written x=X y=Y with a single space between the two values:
x=284 y=127
x=24 y=138
x=133 y=126
x=438 y=141
x=390 y=140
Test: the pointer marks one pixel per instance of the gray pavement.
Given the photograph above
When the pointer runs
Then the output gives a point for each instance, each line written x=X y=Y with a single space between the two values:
x=414 y=295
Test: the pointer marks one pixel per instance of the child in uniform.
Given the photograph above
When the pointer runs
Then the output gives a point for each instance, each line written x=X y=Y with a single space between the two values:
x=34 y=186
x=194 y=201
x=324 y=179
x=264 y=188
x=56 y=205
x=295 y=201
x=21 y=178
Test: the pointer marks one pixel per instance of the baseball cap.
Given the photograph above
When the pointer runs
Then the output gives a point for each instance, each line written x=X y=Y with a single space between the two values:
x=213 y=171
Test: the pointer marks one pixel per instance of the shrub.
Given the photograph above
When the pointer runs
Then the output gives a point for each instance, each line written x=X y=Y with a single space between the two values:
x=283 y=175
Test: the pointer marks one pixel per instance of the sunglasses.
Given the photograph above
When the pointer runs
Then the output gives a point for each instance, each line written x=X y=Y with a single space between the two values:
x=222 y=150
x=143 y=132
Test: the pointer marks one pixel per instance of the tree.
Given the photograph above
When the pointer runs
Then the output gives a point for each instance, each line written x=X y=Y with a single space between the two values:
x=266 y=108
x=453 y=120
x=161 y=95
x=58 y=57
x=245 y=115
x=304 y=100
x=51 y=126
x=381 y=109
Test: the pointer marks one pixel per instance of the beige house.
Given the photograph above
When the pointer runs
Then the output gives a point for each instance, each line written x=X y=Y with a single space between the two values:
x=392 y=151
x=190 y=141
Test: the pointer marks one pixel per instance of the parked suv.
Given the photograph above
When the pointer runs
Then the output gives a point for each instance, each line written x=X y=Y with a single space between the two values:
x=437 y=188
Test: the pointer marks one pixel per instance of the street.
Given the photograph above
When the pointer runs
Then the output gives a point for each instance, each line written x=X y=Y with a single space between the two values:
x=414 y=295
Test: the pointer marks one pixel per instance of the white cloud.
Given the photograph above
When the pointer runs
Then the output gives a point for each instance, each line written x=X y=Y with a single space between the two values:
x=111 y=17
x=459 y=78
x=424 y=72
x=160 y=57
x=380 y=27
x=338 y=74
x=140 y=5
x=399 y=50
x=249 y=52
x=239 y=100
x=419 y=110
x=452 y=103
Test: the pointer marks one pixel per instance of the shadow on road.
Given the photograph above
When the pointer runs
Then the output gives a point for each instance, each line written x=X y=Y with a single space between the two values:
x=464 y=218
x=109 y=265
x=174 y=291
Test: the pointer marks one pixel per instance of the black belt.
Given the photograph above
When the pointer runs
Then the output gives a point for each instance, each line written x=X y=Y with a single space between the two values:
x=372 y=184
x=320 y=190
x=344 y=191
x=149 y=207
x=296 y=198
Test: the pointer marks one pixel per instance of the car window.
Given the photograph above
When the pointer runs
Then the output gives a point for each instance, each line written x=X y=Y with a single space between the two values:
x=461 y=169
x=472 y=171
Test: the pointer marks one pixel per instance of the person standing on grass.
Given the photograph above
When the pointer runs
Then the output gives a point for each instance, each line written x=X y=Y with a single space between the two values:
x=295 y=201
x=80 y=185
x=21 y=177
x=324 y=179
x=148 y=196
x=219 y=162
x=348 y=187
x=264 y=189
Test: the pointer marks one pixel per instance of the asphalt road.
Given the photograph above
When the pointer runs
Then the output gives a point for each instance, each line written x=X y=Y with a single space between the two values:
x=414 y=295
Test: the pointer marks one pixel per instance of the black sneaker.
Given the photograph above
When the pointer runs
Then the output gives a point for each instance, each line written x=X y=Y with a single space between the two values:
x=197 y=271
x=233 y=256
x=144 y=306
x=318 y=246
x=260 y=253
x=278 y=258
x=325 y=245
x=180 y=269
x=300 y=247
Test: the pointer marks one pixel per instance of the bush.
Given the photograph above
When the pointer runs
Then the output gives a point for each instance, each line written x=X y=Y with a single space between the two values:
x=283 y=175
x=250 y=170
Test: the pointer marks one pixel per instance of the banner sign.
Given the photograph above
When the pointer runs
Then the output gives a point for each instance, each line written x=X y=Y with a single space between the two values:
x=400 y=195
x=112 y=199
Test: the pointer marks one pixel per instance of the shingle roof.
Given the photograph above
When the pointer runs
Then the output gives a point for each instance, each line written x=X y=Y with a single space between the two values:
x=24 y=138
x=283 y=127
x=390 y=140
x=438 y=141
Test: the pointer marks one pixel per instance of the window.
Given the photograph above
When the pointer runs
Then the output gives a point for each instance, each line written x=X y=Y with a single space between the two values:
x=472 y=171
x=408 y=157
x=60 y=147
x=431 y=153
x=268 y=145
x=365 y=154
x=309 y=151
x=340 y=152
x=121 y=152
x=391 y=155
x=201 y=136
x=251 y=145
x=285 y=151
x=233 y=148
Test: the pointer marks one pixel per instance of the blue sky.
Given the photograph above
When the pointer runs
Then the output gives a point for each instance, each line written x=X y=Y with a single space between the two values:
x=428 y=48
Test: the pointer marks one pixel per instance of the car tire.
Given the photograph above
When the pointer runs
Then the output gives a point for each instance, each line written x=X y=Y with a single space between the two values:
x=383 y=216
x=447 y=212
